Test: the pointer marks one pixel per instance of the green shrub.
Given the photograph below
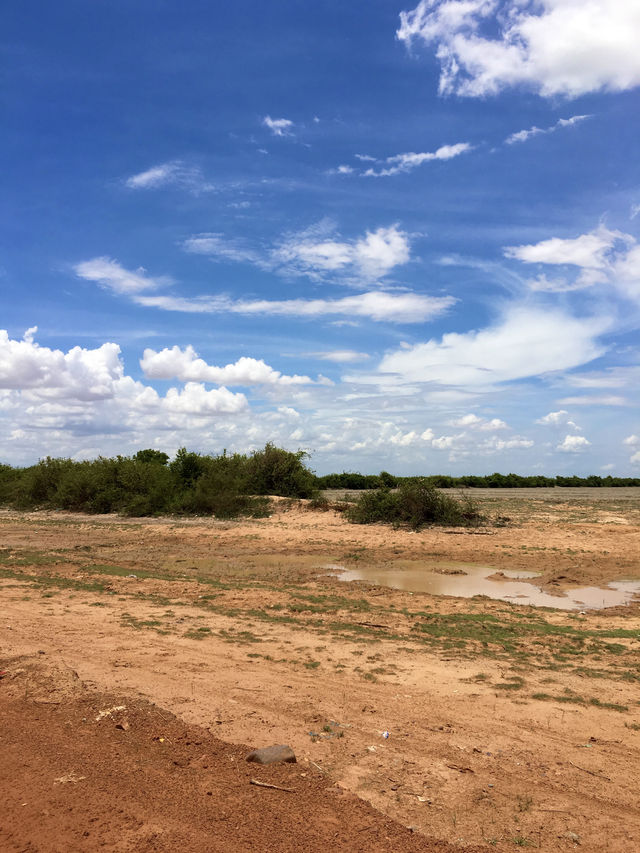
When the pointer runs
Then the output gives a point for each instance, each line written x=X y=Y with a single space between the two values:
x=416 y=503
x=274 y=471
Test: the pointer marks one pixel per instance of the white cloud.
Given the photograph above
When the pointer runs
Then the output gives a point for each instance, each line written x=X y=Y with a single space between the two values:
x=80 y=373
x=601 y=256
x=194 y=399
x=174 y=173
x=185 y=366
x=67 y=386
x=595 y=400
x=317 y=252
x=632 y=440
x=216 y=245
x=573 y=444
x=524 y=135
x=373 y=254
x=374 y=305
x=557 y=419
x=410 y=160
x=278 y=126
x=341 y=356
x=635 y=458
x=499 y=444
x=527 y=341
x=588 y=250
x=472 y=421
x=555 y=47
x=112 y=275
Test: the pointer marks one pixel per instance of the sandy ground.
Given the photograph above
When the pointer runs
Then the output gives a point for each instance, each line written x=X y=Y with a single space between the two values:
x=508 y=726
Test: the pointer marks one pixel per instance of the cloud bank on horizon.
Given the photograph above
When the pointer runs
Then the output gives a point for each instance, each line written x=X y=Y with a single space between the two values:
x=209 y=261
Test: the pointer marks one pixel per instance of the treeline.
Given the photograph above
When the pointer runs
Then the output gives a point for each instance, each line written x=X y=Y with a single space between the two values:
x=349 y=480
x=147 y=483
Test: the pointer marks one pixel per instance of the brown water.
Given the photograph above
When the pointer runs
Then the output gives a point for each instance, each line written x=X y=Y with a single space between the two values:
x=515 y=587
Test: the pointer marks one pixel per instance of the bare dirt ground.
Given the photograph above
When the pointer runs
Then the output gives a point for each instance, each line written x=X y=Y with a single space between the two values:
x=508 y=726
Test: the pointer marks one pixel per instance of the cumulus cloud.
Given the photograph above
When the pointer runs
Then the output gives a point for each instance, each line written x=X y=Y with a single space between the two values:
x=174 y=173
x=472 y=421
x=524 y=135
x=632 y=440
x=53 y=381
x=554 y=47
x=79 y=373
x=573 y=444
x=560 y=418
x=184 y=365
x=526 y=341
x=410 y=160
x=194 y=399
x=278 y=126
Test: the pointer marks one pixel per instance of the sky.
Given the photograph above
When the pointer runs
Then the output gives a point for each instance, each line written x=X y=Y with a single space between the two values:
x=395 y=236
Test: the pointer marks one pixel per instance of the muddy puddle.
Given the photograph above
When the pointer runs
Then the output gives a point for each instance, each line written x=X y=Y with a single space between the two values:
x=466 y=580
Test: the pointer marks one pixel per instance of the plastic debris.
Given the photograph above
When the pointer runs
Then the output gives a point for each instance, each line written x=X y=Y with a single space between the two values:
x=385 y=735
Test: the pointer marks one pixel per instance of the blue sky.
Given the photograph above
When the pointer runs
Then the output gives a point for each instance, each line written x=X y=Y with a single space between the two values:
x=397 y=236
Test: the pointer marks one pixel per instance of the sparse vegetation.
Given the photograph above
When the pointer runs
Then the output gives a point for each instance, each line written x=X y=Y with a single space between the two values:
x=226 y=486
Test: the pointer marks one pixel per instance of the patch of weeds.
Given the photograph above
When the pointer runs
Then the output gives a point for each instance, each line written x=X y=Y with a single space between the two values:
x=196 y=633
x=611 y=706
x=312 y=664
x=232 y=636
x=98 y=604
x=515 y=682
x=521 y=841
x=524 y=803
x=129 y=621
x=369 y=676
x=633 y=726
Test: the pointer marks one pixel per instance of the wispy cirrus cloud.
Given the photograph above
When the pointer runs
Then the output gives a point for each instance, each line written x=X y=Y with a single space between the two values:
x=531 y=48
x=317 y=252
x=524 y=135
x=397 y=164
x=378 y=305
x=174 y=173
x=410 y=160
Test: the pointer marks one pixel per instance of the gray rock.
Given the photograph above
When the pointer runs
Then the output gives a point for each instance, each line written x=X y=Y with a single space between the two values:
x=276 y=754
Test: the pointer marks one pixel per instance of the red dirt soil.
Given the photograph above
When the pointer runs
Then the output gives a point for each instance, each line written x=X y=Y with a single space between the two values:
x=139 y=779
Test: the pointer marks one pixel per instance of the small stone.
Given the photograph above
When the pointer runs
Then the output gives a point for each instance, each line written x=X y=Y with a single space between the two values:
x=277 y=754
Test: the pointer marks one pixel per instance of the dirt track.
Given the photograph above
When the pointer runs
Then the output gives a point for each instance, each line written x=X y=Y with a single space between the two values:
x=525 y=734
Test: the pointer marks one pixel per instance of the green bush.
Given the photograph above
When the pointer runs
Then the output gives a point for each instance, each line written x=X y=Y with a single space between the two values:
x=274 y=471
x=417 y=503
